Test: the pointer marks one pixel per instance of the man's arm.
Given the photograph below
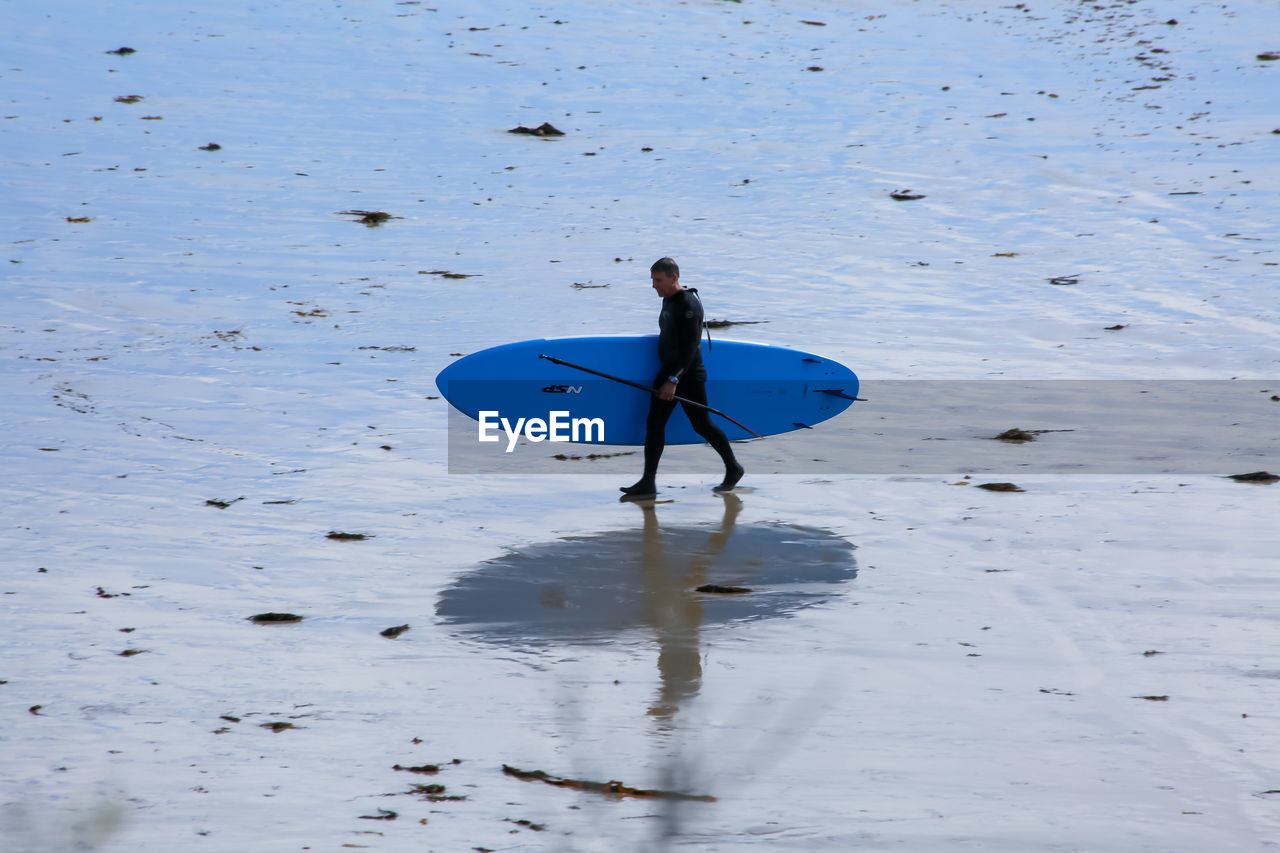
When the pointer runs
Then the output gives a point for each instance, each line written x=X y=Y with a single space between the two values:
x=686 y=333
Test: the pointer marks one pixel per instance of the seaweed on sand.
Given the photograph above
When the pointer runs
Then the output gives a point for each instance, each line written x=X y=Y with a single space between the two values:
x=612 y=788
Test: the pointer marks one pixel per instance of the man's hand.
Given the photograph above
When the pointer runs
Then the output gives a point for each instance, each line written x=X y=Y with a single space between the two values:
x=667 y=391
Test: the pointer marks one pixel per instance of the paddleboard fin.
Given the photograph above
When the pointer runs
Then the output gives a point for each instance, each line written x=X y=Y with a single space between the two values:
x=835 y=392
x=799 y=425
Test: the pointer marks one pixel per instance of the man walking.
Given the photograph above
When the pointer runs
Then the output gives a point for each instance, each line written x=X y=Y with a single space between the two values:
x=680 y=354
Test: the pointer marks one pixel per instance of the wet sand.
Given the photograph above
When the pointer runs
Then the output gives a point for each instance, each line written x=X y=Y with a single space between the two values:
x=210 y=369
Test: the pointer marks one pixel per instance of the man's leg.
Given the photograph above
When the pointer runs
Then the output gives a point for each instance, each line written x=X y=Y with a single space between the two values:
x=655 y=441
x=705 y=427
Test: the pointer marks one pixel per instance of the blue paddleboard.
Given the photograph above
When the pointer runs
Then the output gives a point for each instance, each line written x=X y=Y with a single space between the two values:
x=768 y=389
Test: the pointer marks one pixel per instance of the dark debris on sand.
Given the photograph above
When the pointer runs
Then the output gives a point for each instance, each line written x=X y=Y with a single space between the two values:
x=275 y=619
x=723 y=590
x=371 y=218
x=1000 y=487
x=544 y=129
x=1016 y=435
x=448 y=274
x=613 y=787
x=1264 y=477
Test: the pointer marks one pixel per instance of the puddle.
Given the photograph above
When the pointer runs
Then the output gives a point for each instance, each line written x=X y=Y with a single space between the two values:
x=591 y=588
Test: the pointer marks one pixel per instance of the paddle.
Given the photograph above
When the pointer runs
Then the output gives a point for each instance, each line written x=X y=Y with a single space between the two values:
x=649 y=390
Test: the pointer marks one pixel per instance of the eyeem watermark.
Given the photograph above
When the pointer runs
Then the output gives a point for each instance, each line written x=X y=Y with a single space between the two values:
x=558 y=426
x=910 y=427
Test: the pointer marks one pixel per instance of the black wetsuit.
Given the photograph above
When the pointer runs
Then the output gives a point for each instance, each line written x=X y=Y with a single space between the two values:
x=680 y=338
x=680 y=351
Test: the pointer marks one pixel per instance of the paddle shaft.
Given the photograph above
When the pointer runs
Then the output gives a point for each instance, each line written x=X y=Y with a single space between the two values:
x=649 y=390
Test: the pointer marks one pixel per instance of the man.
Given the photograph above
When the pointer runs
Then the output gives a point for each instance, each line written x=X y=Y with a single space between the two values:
x=680 y=352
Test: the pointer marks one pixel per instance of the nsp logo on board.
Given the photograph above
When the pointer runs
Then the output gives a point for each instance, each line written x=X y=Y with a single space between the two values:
x=562 y=389
x=558 y=426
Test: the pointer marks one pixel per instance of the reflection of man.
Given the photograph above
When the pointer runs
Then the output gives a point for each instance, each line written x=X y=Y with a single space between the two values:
x=676 y=611
x=680 y=352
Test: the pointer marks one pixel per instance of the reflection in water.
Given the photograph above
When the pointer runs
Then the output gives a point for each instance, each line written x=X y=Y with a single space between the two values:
x=676 y=613
x=588 y=589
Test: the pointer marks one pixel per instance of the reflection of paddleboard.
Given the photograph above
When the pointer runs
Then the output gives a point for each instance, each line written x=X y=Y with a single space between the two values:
x=587 y=588
x=767 y=388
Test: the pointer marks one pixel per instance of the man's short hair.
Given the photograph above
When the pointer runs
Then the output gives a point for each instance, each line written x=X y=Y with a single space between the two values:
x=666 y=266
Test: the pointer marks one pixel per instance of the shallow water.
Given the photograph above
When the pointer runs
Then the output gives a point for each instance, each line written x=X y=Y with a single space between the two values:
x=670 y=579
x=218 y=331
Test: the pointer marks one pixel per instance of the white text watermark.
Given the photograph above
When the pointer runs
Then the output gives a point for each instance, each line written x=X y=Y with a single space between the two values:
x=558 y=426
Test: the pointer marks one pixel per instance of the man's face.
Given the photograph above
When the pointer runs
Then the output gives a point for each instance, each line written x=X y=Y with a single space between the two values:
x=665 y=283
